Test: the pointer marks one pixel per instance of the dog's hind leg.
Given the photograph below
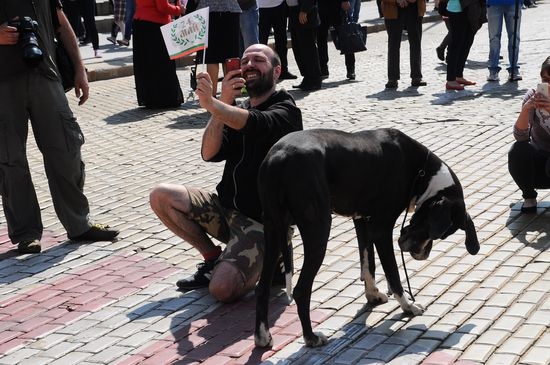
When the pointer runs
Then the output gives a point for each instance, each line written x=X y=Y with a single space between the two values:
x=366 y=254
x=315 y=243
x=314 y=226
x=275 y=235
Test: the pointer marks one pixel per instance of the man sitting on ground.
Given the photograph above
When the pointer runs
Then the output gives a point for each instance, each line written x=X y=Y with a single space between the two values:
x=241 y=136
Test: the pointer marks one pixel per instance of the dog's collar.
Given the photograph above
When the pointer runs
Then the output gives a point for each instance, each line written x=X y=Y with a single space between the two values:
x=443 y=179
x=420 y=175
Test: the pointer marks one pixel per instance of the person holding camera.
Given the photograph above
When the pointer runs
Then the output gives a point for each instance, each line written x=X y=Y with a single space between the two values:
x=529 y=157
x=30 y=88
x=242 y=136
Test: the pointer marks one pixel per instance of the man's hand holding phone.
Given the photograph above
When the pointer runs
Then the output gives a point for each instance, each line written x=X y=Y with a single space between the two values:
x=232 y=83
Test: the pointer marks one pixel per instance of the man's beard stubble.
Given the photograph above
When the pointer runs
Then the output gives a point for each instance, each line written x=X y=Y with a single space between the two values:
x=260 y=86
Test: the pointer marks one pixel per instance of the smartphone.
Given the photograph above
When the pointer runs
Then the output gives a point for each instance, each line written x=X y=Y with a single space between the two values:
x=232 y=64
x=542 y=88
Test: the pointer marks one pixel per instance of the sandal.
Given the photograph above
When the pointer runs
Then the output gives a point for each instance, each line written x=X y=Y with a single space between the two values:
x=453 y=86
x=463 y=81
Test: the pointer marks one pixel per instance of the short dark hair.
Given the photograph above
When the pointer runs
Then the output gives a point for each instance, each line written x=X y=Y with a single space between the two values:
x=275 y=60
x=545 y=67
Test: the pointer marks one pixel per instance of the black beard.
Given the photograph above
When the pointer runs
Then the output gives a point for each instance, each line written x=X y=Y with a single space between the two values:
x=260 y=86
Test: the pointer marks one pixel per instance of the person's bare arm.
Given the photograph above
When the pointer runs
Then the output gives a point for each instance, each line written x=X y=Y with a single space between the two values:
x=66 y=33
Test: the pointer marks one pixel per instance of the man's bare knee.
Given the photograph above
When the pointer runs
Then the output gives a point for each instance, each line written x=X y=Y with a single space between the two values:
x=156 y=195
x=227 y=283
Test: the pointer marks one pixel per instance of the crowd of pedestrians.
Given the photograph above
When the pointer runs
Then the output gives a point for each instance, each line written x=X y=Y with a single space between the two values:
x=236 y=24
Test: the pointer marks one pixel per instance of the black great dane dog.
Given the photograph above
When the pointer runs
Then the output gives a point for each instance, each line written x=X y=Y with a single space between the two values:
x=372 y=176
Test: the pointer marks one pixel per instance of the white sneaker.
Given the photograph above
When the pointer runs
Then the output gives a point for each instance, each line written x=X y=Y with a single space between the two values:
x=97 y=53
x=515 y=77
x=493 y=76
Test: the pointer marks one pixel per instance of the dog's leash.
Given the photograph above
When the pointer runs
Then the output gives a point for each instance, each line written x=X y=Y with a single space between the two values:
x=421 y=174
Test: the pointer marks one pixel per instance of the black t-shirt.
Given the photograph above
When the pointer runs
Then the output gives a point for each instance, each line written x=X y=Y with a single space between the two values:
x=245 y=149
x=11 y=57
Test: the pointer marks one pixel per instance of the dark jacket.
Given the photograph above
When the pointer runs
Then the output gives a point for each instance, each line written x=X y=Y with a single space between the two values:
x=308 y=6
x=244 y=150
x=476 y=11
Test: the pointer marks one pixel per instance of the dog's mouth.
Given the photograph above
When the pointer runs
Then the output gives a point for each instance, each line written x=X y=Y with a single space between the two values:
x=418 y=249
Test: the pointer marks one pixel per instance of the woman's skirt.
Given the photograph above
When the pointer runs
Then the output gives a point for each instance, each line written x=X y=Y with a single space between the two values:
x=157 y=84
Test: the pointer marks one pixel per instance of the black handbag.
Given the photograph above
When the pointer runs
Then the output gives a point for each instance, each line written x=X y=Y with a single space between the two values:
x=64 y=66
x=349 y=37
x=442 y=8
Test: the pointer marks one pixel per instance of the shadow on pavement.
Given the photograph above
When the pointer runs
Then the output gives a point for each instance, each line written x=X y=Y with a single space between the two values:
x=141 y=114
x=227 y=331
x=17 y=267
x=530 y=229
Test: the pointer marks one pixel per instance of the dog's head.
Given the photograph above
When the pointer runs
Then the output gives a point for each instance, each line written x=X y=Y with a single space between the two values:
x=440 y=212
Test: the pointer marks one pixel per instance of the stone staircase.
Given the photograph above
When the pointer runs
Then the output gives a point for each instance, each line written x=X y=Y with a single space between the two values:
x=104 y=16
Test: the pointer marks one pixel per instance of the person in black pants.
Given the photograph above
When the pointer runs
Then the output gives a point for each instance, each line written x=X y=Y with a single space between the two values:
x=303 y=23
x=529 y=157
x=87 y=10
x=276 y=18
x=403 y=15
x=331 y=13
x=72 y=11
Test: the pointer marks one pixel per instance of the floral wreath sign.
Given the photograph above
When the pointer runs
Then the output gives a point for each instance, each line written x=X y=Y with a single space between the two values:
x=187 y=34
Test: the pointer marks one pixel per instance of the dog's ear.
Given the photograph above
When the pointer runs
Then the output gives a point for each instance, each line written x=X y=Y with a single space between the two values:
x=440 y=219
x=472 y=243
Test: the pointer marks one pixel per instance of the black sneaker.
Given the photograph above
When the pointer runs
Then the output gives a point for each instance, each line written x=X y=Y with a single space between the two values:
x=200 y=279
x=97 y=232
x=30 y=246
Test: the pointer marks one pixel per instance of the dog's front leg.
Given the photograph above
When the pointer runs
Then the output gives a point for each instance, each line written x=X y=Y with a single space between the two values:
x=366 y=254
x=384 y=248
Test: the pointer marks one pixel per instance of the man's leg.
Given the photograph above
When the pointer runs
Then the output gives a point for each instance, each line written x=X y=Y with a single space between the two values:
x=16 y=188
x=241 y=262
x=494 y=26
x=172 y=204
x=512 y=29
x=249 y=26
x=59 y=138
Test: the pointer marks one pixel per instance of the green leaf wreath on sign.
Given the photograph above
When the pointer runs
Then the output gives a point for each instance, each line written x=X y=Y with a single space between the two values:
x=192 y=30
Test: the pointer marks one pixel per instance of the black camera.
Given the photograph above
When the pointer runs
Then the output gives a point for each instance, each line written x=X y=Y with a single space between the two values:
x=26 y=26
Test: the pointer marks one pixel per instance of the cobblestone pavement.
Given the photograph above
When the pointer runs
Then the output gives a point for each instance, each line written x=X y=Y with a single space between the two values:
x=116 y=303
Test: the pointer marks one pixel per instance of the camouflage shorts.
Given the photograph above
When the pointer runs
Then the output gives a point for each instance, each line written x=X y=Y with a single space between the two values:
x=243 y=236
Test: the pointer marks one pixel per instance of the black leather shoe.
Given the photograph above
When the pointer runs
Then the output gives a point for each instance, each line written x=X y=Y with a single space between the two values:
x=97 y=232
x=287 y=76
x=351 y=76
x=307 y=86
x=418 y=82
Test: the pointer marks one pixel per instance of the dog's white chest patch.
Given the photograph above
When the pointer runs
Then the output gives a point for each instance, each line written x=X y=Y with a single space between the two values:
x=443 y=179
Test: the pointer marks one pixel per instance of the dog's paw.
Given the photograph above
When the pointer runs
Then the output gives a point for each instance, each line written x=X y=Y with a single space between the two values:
x=262 y=338
x=376 y=297
x=414 y=309
x=318 y=339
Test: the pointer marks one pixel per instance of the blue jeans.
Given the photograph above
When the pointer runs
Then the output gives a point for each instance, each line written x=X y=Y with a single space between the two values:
x=355 y=8
x=249 y=27
x=130 y=10
x=495 y=16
